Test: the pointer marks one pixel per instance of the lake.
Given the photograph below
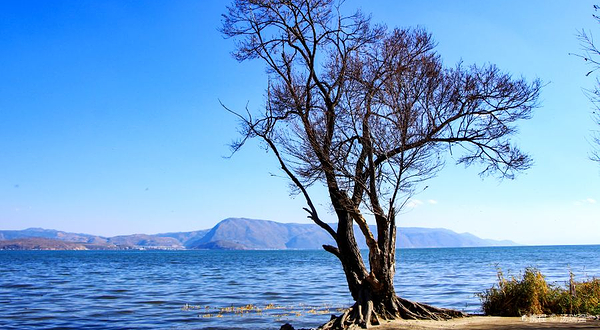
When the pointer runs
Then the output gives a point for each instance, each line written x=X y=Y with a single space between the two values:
x=244 y=289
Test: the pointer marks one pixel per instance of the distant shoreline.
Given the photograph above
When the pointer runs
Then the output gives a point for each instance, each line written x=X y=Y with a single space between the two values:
x=48 y=244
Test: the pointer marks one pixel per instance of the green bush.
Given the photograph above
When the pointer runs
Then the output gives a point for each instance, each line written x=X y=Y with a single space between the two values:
x=531 y=294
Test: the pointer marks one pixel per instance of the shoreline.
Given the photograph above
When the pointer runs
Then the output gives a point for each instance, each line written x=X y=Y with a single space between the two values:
x=495 y=323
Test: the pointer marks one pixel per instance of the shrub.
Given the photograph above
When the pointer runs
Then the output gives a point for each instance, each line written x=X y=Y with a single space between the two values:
x=532 y=295
x=516 y=296
x=580 y=298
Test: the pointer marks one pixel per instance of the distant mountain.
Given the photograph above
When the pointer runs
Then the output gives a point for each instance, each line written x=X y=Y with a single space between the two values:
x=235 y=234
x=47 y=239
x=39 y=243
x=414 y=237
x=261 y=234
x=141 y=240
x=52 y=234
x=186 y=238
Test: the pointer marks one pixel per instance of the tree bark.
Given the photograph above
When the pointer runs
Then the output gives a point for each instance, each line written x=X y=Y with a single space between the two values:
x=373 y=290
x=374 y=303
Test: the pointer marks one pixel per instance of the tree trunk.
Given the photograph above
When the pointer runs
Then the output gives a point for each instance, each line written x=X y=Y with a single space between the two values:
x=373 y=291
x=374 y=303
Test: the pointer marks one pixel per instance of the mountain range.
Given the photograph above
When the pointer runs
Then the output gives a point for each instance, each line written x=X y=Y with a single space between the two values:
x=230 y=234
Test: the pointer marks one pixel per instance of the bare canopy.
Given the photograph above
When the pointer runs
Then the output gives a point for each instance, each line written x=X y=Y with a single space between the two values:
x=370 y=113
x=591 y=54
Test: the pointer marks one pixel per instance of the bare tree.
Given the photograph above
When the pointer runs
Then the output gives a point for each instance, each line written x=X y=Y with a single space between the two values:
x=591 y=54
x=370 y=113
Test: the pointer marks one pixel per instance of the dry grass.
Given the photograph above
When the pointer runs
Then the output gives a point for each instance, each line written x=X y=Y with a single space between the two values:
x=531 y=294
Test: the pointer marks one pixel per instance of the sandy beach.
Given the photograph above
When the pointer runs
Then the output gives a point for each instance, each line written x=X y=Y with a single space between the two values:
x=495 y=323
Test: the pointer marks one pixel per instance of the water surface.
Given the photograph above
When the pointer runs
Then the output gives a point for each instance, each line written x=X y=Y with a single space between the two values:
x=244 y=289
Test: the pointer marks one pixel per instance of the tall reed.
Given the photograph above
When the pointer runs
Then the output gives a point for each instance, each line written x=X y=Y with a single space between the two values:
x=531 y=294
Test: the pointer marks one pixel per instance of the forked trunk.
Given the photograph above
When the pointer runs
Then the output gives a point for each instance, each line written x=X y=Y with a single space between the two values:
x=374 y=304
x=373 y=289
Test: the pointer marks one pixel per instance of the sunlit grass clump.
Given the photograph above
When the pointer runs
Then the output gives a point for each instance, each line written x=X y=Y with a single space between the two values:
x=268 y=310
x=531 y=294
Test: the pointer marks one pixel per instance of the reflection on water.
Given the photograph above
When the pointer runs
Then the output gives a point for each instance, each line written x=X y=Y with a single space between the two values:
x=243 y=289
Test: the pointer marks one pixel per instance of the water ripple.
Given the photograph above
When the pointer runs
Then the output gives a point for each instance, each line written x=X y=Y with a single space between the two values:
x=242 y=289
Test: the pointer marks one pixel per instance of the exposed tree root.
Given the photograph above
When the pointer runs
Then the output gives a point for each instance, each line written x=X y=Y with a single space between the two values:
x=367 y=313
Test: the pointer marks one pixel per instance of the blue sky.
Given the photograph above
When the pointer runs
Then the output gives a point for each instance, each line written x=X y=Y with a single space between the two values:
x=110 y=120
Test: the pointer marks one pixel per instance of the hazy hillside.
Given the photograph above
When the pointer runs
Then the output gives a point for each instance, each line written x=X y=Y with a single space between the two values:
x=142 y=240
x=262 y=234
x=52 y=234
x=412 y=237
x=186 y=238
x=236 y=234
x=39 y=243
